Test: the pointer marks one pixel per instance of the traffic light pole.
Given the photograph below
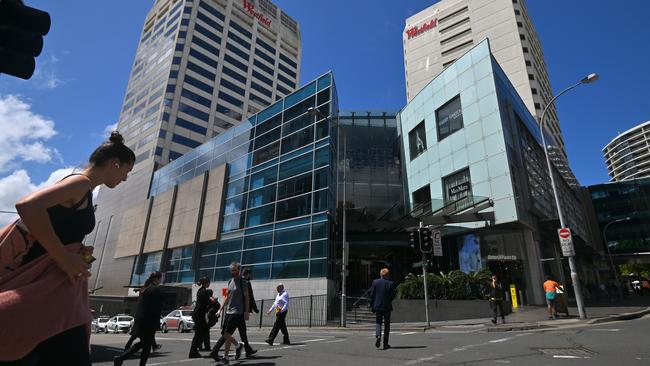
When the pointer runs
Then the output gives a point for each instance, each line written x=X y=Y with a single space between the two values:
x=424 y=274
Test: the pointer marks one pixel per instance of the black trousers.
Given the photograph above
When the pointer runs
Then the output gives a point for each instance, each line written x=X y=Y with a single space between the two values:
x=133 y=338
x=242 y=335
x=381 y=315
x=497 y=305
x=200 y=330
x=69 y=347
x=280 y=325
x=144 y=346
x=206 y=340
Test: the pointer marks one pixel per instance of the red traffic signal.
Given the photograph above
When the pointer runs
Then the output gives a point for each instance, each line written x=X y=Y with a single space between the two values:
x=21 y=37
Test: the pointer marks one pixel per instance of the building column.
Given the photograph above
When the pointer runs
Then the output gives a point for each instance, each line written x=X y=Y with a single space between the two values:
x=534 y=273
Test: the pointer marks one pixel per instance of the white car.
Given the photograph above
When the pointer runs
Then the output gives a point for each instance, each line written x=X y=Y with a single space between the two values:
x=180 y=320
x=120 y=323
x=99 y=325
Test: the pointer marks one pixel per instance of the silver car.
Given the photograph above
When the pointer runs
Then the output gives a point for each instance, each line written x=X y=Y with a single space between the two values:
x=119 y=324
x=99 y=325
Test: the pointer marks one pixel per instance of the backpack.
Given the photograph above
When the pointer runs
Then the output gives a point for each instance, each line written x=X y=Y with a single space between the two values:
x=211 y=317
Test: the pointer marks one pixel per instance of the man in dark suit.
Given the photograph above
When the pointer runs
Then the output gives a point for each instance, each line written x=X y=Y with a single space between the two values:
x=382 y=294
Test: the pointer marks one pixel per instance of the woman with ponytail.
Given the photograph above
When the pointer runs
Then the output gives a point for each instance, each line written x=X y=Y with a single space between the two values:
x=42 y=257
x=147 y=320
x=198 y=315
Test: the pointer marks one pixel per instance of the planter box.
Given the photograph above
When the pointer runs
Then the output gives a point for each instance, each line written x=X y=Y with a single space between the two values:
x=413 y=310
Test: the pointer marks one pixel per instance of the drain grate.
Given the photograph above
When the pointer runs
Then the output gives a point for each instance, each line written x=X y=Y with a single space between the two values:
x=573 y=352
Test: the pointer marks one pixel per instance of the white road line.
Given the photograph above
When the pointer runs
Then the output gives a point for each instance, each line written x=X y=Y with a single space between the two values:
x=567 y=356
x=500 y=340
x=407 y=333
x=606 y=330
x=315 y=340
x=337 y=340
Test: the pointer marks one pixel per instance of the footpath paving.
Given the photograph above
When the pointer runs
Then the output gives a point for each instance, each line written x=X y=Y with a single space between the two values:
x=527 y=317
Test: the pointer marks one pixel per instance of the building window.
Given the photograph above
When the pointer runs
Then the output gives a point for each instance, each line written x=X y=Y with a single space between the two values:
x=422 y=196
x=517 y=12
x=525 y=49
x=520 y=24
x=534 y=91
x=528 y=63
x=449 y=118
x=457 y=190
x=531 y=77
x=417 y=140
x=537 y=106
x=522 y=37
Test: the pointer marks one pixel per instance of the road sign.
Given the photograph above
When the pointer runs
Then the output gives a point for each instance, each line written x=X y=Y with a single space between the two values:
x=437 y=243
x=566 y=242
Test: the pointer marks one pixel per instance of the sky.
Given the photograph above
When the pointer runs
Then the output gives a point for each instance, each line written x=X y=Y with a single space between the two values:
x=52 y=122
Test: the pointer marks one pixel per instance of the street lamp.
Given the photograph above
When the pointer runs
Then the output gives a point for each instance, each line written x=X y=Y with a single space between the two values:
x=609 y=254
x=344 y=255
x=574 y=274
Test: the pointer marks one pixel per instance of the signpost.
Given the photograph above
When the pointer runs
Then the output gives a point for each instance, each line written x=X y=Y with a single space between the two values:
x=566 y=242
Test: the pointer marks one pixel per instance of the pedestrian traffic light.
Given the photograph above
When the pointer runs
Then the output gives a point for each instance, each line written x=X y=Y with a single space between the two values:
x=426 y=240
x=21 y=37
x=415 y=238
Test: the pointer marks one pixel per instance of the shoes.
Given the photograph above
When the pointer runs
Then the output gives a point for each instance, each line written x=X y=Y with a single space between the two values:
x=269 y=342
x=215 y=356
x=157 y=347
x=377 y=341
x=494 y=321
x=503 y=321
x=117 y=361
x=206 y=349
x=386 y=346
x=286 y=341
x=195 y=355
x=251 y=352
x=224 y=361
x=238 y=350
x=550 y=318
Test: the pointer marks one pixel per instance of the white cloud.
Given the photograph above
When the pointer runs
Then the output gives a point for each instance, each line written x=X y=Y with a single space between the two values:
x=23 y=134
x=108 y=129
x=19 y=184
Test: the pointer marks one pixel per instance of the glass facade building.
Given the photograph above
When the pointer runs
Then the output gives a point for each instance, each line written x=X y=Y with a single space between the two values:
x=278 y=199
x=620 y=200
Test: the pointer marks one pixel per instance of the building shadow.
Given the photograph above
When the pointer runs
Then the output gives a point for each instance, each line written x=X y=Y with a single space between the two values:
x=99 y=353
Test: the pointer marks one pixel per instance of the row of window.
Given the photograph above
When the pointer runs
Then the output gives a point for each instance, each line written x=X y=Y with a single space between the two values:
x=449 y=119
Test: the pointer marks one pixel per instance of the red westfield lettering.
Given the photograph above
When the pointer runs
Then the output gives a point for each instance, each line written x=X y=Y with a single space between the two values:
x=250 y=8
x=416 y=31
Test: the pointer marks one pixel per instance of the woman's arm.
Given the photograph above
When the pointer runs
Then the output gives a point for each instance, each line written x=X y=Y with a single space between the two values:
x=33 y=212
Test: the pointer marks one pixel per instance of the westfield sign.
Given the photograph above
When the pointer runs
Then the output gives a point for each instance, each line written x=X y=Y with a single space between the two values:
x=416 y=31
x=249 y=7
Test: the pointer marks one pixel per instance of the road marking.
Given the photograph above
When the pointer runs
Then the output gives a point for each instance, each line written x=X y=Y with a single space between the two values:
x=501 y=361
x=337 y=340
x=566 y=356
x=407 y=333
x=500 y=340
x=606 y=330
x=315 y=340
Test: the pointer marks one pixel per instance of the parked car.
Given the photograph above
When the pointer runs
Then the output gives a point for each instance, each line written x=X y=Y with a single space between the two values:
x=119 y=323
x=99 y=325
x=180 y=320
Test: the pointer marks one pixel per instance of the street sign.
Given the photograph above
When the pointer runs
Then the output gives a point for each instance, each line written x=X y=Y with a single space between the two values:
x=566 y=242
x=437 y=243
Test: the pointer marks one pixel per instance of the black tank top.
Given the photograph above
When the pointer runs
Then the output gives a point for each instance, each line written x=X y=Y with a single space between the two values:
x=70 y=224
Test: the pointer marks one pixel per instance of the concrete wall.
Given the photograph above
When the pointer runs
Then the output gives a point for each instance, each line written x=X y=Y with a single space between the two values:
x=413 y=310
x=186 y=212
x=213 y=204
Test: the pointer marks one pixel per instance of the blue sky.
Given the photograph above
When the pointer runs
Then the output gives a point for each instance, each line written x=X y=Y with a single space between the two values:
x=83 y=70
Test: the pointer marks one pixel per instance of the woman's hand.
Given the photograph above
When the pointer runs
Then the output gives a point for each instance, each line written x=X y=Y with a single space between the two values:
x=74 y=266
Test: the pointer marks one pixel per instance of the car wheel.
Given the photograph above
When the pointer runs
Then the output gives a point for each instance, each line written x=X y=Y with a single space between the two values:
x=164 y=328
x=181 y=328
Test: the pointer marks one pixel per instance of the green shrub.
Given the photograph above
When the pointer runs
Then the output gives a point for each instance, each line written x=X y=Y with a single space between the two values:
x=454 y=285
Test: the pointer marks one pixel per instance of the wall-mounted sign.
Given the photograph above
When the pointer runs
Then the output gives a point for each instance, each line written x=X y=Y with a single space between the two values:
x=249 y=7
x=502 y=257
x=416 y=31
x=459 y=189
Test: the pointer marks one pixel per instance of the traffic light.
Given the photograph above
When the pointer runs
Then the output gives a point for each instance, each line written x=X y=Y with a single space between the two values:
x=426 y=240
x=415 y=238
x=21 y=37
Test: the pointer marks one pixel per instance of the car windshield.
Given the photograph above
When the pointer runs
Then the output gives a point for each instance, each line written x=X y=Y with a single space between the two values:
x=103 y=320
x=186 y=312
x=124 y=319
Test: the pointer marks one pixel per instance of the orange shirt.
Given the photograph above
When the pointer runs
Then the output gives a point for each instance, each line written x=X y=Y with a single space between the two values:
x=550 y=285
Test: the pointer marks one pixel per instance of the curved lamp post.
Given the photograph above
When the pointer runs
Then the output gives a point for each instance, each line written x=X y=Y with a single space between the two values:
x=574 y=274
x=609 y=254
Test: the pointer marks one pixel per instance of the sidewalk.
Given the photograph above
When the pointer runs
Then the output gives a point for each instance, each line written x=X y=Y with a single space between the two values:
x=529 y=317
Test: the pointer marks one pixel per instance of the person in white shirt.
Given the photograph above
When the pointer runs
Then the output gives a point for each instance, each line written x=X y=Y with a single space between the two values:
x=280 y=307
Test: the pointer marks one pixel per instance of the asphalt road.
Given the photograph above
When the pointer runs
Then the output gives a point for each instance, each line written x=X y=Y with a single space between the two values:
x=614 y=343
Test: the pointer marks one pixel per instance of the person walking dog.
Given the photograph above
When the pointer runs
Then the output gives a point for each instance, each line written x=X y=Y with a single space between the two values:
x=382 y=293
x=280 y=307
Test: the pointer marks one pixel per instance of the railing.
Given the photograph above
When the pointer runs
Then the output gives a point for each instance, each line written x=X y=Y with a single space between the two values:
x=363 y=299
x=304 y=311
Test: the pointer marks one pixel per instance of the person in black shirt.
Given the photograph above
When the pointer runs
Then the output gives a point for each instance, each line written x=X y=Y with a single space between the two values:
x=147 y=320
x=496 y=299
x=198 y=315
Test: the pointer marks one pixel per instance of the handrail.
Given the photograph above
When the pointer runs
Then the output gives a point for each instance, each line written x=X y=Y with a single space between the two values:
x=361 y=298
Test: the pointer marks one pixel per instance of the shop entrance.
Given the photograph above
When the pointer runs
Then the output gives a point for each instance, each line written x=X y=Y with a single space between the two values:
x=509 y=272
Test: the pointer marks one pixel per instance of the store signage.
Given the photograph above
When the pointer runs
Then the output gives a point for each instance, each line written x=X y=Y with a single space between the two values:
x=502 y=257
x=416 y=31
x=459 y=190
x=566 y=242
x=249 y=7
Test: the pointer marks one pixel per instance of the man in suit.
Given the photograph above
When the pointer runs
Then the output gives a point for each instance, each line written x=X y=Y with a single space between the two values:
x=382 y=294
